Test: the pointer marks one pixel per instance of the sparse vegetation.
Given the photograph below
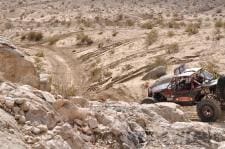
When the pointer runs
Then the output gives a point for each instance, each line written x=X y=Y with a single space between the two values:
x=147 y=25
x=65 y=90
x=8 y=25
x=32 y=36
x=40 y=54
x=217 y=34
x=127 y=67
x=84 y=39
x=39 y=64
x=173 y=24
x=219 y=23
x=96 y=74
x=170 y=33
x=159 y=61
x=151 y=37
x=130 y=22
x=114 y=33
x=219 y=11
x=192 y=28
x=173 y=48
x=52 y=40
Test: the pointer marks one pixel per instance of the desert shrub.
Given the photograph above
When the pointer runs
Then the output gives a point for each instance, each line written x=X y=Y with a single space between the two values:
x=192 y=28
x=173 y=24
x=84 y=39
x=173 y=48
x=151 y=37
x=219 y=11
x=65 y=90
x=23 y=37
x=107 y=74
x=130 y=22
x=127 y=67
x=159 y=61
x=219 y=23
x=8 y=25
x=85 y=22
x=38 y=64
x=52 y=40
x=147 y=25
x=217 y=34
x=119 y=17
x=170 y=33
x=40 y=54
x=34 y=36
x=96 y=74
x=114 y=33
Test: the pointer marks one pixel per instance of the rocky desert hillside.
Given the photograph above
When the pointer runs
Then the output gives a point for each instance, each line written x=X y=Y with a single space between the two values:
x=72 y=72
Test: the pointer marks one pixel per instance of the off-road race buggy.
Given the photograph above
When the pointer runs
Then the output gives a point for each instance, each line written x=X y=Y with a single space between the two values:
x=193 y=86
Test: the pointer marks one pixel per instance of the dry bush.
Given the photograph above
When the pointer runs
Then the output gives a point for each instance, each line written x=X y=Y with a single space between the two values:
x=127 y=67
x=151 y=37
x=147 y=25
x=84 y=39
x=173 y=48
x=170 y=33
x=219 y=23
x=159 y=61
x=217 y=34
x=38 y=64
x=40 y=54
x=173 y=24
x=8 y=25
x=85 y=22
x=114 y=33
x=96 y=74
x=219 y=11
x=119 y=17
x=65 y=90
x=33 y=36
x=52 y=40
x=107 y=74
x=192 y=28
x=129 y=22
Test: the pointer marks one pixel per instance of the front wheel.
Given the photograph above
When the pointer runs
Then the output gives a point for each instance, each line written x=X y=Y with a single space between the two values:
x=209 y=109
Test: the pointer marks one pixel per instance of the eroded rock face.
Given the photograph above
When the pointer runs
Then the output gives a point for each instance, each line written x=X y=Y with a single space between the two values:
x=14 y=66
x=30 y=118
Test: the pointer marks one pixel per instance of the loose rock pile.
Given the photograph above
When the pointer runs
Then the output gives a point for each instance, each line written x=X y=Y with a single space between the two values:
x=31 y=118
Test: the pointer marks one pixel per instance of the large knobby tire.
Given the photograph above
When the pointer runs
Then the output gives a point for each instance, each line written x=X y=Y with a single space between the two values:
x=208 y=109
x=148 y=100
x=220 y=88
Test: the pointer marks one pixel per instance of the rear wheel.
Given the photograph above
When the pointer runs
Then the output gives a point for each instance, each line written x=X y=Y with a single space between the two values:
x=148 y=100
x=209 y=109
x=159 y=97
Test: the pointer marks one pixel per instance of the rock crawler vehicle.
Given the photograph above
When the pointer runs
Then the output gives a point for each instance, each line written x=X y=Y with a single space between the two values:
x=191 y=86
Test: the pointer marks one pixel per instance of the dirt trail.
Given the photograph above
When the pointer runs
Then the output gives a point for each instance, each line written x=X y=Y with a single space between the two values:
x=66 y=70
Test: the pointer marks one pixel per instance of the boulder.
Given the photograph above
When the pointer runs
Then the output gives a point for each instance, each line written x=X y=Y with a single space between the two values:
x=69 y=111
x=15 y=67
x=71 y=137
x=78 y=100
x=92 y=123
